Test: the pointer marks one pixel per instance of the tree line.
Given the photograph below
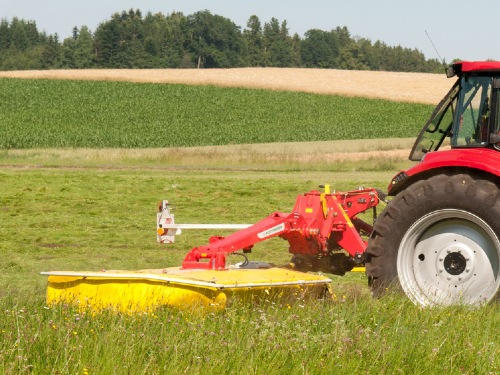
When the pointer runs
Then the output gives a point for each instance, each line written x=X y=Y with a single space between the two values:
x=200 y=40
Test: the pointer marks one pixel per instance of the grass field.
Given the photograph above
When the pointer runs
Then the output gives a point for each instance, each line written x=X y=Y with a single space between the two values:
x=327 y=156
x=93 y=218
x=70 y=199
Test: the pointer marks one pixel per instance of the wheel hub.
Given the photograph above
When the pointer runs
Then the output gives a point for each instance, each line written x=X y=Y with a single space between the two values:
x=455 y=263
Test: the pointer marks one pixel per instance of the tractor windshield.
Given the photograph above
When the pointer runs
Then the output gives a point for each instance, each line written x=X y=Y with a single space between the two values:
x=438 y=127
x=473 y=113
x=463 y=115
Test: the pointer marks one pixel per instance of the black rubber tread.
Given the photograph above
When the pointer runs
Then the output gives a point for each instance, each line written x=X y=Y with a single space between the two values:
x=459 y=191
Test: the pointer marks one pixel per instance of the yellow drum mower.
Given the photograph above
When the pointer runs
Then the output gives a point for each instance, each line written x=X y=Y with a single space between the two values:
x=323 y=233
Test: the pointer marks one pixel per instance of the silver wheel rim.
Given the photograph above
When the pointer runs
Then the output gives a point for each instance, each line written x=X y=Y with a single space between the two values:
x=449 y=257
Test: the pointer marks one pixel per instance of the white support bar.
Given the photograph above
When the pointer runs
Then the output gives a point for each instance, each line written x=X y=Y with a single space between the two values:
x=206 y=226
x=166 y=220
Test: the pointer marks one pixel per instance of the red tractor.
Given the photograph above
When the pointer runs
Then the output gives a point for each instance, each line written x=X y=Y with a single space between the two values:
x=438 y=238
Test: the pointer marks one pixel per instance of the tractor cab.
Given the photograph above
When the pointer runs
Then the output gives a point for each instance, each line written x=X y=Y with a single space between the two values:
x=439 y=237
x=467 y=115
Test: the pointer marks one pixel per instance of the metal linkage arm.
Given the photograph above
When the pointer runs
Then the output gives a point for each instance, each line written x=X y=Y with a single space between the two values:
x=317 y=221
x=213 y=255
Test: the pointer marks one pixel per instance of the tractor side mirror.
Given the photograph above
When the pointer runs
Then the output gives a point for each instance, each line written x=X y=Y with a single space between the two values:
x=450 y=72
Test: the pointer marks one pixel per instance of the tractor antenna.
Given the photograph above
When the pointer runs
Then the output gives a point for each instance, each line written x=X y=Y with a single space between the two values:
x=435 y=49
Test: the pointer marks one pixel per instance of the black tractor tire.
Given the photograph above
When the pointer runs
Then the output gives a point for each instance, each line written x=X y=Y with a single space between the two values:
x=438 y=241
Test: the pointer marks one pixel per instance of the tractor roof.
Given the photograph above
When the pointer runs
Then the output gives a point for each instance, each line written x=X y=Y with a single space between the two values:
x=460 y=67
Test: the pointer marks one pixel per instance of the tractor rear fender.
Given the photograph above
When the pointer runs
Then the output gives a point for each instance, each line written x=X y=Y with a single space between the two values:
x=483 y=162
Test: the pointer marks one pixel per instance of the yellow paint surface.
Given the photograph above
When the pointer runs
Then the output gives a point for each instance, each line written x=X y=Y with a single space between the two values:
x=129 y=291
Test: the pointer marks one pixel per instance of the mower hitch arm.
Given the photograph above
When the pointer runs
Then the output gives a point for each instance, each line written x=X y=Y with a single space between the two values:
x=317 y=221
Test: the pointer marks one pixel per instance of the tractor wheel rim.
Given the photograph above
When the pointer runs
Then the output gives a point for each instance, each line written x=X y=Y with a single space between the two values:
x=449 y=257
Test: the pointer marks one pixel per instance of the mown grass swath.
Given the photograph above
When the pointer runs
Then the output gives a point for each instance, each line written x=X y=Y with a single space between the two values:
x=52 y=113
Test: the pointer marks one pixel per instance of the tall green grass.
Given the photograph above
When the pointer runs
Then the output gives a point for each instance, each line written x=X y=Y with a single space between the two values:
x=350 y=336
x=53 y=114
x=93 y=218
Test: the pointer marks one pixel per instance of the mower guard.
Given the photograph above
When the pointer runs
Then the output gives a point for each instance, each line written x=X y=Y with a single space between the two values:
x=206 y=290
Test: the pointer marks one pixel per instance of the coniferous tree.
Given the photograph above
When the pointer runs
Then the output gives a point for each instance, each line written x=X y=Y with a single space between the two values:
x=254 y=43
x=107 y=43
x=175 y=51
x=51 y=53
x=277 y=44
x=84 y=49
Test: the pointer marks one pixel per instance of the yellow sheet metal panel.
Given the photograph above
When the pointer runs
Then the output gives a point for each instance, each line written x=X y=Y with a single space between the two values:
x=358 y=269
x=129 y=295
x=205 y=290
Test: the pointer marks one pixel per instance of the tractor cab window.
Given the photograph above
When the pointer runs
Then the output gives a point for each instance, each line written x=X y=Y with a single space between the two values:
x=439 y=126
x=495 y=133
x=473 y=112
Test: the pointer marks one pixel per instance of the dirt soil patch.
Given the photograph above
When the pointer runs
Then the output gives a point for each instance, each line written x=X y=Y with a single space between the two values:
x=407 y=87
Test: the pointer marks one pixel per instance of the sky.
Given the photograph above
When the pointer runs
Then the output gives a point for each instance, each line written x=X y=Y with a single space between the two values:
x=440 y=29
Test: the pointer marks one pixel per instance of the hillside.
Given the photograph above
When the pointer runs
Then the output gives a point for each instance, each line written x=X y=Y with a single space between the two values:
x=406 y=87
x=400 y=87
